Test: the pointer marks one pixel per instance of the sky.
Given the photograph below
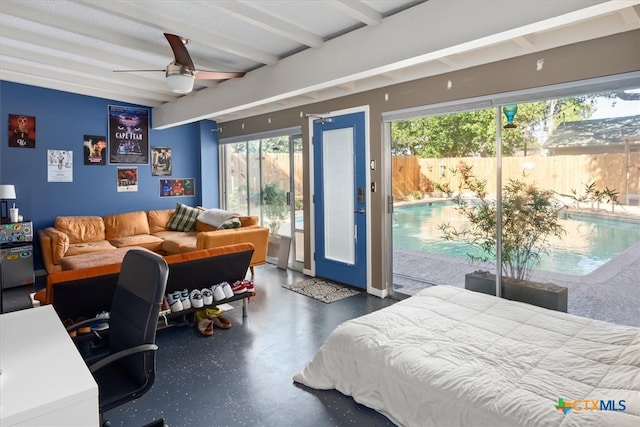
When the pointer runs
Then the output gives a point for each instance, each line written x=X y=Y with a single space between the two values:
x=621 y=108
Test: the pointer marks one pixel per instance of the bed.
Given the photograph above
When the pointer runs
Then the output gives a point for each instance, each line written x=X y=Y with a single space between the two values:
x=452 y=357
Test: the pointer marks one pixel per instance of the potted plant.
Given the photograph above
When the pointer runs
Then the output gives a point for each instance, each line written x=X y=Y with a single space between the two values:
x=276 y=210
x=530 y=218
x=274 y=206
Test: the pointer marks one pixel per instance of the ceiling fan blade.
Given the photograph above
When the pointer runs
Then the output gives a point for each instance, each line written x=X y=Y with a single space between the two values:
x=217 y=75
x=136 y=71
x=180 y=51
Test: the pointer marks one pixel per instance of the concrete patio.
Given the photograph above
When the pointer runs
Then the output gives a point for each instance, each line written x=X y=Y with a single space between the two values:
x=610 y=293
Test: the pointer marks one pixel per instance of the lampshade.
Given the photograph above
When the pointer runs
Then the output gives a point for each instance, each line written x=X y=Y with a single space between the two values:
x=7 y=192
x=179 y=78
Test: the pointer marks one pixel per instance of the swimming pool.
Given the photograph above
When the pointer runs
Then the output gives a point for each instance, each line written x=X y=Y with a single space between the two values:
x=589 y=243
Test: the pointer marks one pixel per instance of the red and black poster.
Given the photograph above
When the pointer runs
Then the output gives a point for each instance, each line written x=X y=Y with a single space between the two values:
x=128 y=135
x=22 y=131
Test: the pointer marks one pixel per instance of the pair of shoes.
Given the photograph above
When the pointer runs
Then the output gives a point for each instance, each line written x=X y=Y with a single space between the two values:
x=164 y=308
x=207 y=296
x=184 y=299
x=175 y=301
x=68 y=323
x=238 y=287
x=221 y=291
x=220 y=321
x=196 y=298
x=205 y=326
x=102 y=324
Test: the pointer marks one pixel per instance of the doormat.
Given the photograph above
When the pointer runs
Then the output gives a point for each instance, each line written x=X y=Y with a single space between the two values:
x=322 y=290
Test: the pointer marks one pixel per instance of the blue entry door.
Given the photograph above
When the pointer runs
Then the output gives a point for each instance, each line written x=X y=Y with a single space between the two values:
x=340 y=199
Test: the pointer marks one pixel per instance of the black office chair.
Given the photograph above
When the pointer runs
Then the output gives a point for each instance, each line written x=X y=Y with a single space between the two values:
x=127 y=370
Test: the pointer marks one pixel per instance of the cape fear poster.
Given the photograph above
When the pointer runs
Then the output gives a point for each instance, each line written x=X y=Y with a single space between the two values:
x=128 y=135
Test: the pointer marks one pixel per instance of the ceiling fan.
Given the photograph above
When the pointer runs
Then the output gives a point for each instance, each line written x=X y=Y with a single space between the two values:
x=181 y=72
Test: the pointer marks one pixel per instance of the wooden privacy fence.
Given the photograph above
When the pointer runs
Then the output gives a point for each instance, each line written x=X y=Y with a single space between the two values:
x=618 y=171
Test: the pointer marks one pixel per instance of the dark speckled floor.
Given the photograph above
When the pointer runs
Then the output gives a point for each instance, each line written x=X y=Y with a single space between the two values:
x=242 y=376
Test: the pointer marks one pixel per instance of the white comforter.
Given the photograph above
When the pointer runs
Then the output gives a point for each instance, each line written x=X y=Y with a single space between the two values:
x=451 y=357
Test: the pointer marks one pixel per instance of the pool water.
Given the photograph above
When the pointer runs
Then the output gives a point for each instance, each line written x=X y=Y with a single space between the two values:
x=589 y=242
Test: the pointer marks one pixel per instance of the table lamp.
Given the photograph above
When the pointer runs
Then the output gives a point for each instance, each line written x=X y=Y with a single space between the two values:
x=7 y=192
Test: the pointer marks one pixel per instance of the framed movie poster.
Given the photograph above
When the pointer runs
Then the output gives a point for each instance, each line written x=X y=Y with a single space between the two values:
x=160 y=161
x=177 y=187
x=127 y=179
x=22 y=131
x=128 y=135
x=95 y=150
x=59 y=166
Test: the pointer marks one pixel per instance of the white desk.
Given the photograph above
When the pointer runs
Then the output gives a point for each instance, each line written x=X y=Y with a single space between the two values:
x=44 y=380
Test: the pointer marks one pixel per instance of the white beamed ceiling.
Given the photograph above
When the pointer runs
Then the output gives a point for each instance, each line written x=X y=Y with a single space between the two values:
x=294 y=52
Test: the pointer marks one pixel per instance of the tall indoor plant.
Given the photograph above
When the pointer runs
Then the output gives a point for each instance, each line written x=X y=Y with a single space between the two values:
x=530 y=219
x=274 y=206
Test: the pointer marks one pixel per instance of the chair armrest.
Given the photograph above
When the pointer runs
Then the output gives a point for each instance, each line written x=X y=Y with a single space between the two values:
x=142 y=348
x=84 y=323
x=258 y=236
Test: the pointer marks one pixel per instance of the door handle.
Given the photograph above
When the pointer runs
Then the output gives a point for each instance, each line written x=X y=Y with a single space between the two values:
x=360 y=211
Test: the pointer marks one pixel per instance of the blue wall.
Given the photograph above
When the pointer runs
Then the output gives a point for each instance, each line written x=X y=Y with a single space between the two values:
x=62 y=120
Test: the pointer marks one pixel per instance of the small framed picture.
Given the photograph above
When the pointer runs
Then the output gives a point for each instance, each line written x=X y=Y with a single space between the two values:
x=177 y=187
x=95 y=148
x=22 y=131
x=127 y=179
x=160 y=161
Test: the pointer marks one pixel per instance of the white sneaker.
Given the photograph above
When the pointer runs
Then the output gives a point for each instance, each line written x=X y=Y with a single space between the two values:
x=196 y=298
x=226 y=288
x=175 y=301
x=184 y=298
x=207 y=296
x=218 y=293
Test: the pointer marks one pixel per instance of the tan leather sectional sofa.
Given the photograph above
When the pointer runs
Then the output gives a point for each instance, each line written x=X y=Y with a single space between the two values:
x=73 y=236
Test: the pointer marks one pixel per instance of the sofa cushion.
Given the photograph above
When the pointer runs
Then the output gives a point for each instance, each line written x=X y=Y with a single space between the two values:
x=81 y=229
x=153 y=243
x=178 y=242
x=158 y=219
x=126 y=224
x=230 y=223
x=184 y=218
x=88 y=247
x=95 y=259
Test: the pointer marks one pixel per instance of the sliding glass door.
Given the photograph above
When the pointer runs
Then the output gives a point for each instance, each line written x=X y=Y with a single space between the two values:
x=263 y=176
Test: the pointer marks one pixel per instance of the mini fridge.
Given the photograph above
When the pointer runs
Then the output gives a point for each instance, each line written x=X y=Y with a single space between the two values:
x=16 y=254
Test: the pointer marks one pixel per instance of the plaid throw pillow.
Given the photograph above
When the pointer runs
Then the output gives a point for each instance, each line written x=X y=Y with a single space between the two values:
x=184 y=218
x=230 y=223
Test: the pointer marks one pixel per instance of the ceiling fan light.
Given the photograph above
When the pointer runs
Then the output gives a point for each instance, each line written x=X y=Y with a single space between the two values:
x=180 y=83
x=180 y=78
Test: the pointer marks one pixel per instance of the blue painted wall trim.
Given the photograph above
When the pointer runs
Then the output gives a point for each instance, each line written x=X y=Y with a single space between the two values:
x=62 y=120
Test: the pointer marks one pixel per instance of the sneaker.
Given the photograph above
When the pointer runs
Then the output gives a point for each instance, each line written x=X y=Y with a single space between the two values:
x=249 y=285
x=238 y=287
x=218 y=293
x=226 y=288
x=184 y=298
x=207 y=296
x=175 y=302
x=103 y=323
x=196 y=298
